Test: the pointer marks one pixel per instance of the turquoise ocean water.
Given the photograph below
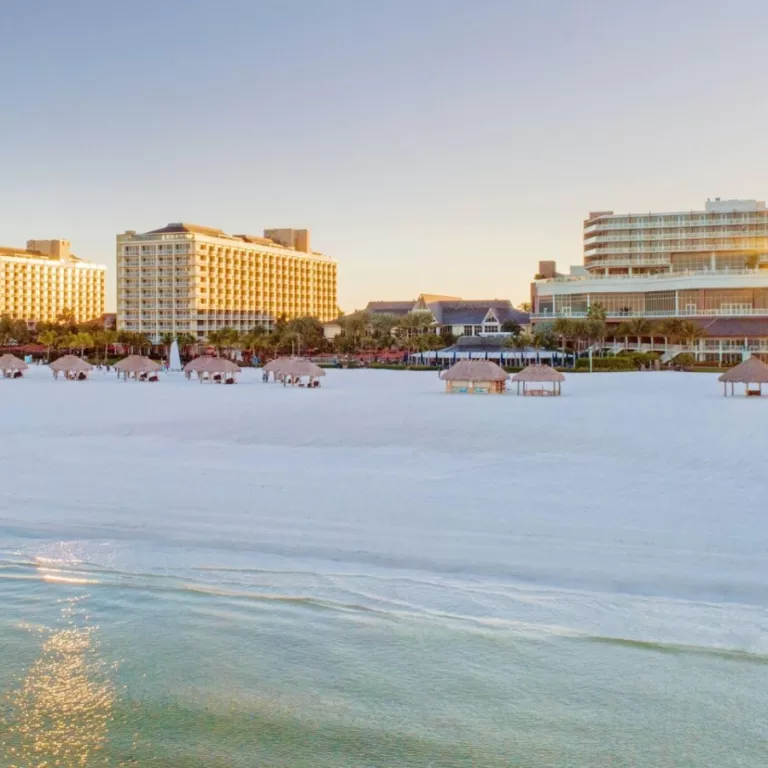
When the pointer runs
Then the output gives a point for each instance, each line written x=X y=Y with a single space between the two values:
x=360 y=599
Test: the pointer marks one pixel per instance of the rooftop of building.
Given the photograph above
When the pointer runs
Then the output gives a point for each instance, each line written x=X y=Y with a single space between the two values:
x=451 y=310
x=475 y=311
x=33 y=253
x=183 y=227
x=715 y=206
x=733 y=327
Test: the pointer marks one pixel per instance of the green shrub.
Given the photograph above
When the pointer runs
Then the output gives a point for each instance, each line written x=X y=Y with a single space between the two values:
x=625 y=363
x=685 y=360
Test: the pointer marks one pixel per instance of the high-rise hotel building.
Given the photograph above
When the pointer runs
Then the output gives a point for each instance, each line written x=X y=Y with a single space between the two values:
x=40 y=282
x=690 y=263
x=185 y=278
x=708 y=266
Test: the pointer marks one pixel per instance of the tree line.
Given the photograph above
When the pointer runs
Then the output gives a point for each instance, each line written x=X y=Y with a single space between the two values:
x=361 y=332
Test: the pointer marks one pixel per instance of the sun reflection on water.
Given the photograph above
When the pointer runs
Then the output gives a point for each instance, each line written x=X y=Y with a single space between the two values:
x=59 y=713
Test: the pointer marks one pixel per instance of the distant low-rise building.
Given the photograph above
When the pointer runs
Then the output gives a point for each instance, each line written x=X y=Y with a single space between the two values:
x=460 y=317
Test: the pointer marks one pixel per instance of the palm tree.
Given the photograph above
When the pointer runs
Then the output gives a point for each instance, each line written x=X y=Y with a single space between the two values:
x=290 y=340
x=519 y=343
x=216 y=339
x=637 y=327
x=98 y=341
x=690 y=333
x=596 y=331
x=141 y=341
x=416 y=322
x=671 y=330
x=563 y=329
x=580 y=334
x=109 y=338
x=596 y=311
x=50 y=339
x=80 y=340
x=382 y=329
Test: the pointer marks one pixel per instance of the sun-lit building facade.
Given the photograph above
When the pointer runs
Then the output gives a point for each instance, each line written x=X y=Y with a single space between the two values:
x=709 y=267
x=710 y=263
x=184 y=278
x=44 y=280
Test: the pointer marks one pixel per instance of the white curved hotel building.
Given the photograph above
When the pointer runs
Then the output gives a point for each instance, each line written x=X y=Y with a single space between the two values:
x=709 y=266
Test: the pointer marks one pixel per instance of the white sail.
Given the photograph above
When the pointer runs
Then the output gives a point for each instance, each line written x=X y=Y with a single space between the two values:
x=174 y=364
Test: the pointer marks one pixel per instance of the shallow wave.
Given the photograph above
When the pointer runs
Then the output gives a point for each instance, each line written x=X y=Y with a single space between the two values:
x=732 y=654
x=513 y=610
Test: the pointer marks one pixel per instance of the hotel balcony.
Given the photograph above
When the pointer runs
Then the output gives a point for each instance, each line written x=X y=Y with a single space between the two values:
x=668 y=234
x=623 y=314
x=746 y=218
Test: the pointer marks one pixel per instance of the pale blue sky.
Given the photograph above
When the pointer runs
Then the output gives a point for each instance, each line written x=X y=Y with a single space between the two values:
x=430 y=145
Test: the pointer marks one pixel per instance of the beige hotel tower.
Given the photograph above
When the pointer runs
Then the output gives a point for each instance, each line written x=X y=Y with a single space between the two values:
x=185 y=278
x=41 y=281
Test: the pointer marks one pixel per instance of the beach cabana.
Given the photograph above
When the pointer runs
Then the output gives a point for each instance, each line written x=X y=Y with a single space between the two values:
x=219 y=370
x=538 y=375
x=139 y=367
x=73 y=368
x=477 y=377
x=752 y=373
x=293 y=371
x=12 y=367
x=276 y=367
x=197 y=365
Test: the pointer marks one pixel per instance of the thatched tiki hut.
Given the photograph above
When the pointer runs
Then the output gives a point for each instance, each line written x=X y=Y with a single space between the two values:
x=12 y=367
x=219 y=370
x=293 y=371
x=73 y=368
x=538 y=375
x=752 y=373
x=197 y=366
x=477 y=377
x=139 y=367
x=277 y=368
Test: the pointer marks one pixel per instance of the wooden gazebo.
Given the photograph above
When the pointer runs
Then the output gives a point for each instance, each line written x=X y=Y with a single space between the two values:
x=752 y=373
x=475 y=377
x=538 y=374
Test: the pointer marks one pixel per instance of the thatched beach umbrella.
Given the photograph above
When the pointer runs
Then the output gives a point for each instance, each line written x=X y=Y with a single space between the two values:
x=12 y=367
x=73 y=368
x=304 y=368
x=751 y=371
x=197 y=365
x=475 y=377
x=138 y=366
x=219 y=369
x=295 y=369
x=539 y=374
x=277 y=367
